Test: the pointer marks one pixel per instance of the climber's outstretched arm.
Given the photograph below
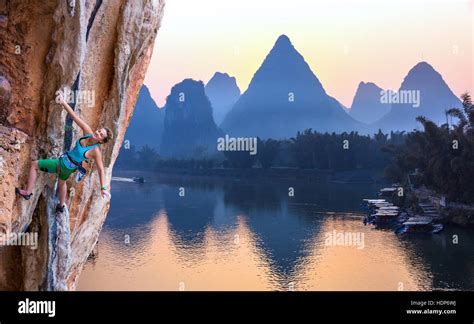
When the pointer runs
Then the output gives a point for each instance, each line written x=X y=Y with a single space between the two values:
x=82 y=124
x=100 y=167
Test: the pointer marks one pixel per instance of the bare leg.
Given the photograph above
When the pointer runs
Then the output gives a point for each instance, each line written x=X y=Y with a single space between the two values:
x=62 y=186
x=32 y=176
x=31 y=180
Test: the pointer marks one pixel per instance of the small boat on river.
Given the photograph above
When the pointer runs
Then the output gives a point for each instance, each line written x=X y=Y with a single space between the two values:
x=415 y=225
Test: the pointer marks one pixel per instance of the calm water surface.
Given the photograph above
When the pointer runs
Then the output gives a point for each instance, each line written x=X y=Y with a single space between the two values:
x=244 y=235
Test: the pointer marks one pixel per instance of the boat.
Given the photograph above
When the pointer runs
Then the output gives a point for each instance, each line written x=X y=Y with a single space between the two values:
x=139 y=179
x=384 y=217
x=374 y=200
x=387 y=192
x=380 y=216
x=403 y=217
x=370 y=203
x=134 y=179
x=385 y=212
x=378 y=207
x=382 y=207
x=381 y=204
x=389 y=208
x=382 y=213
x=419 y=225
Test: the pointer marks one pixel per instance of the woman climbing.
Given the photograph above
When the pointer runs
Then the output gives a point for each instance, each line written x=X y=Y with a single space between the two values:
x=86 y=148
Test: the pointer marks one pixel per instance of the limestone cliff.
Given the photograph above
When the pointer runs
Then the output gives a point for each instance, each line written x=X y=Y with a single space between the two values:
x=189 y=128
x=98 y=46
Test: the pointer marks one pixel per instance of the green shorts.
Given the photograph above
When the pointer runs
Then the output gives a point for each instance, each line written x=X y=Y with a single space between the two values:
x=51 y=166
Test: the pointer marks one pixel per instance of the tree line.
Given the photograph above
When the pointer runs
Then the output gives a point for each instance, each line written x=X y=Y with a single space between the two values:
x=307 y=150
x=443 y=155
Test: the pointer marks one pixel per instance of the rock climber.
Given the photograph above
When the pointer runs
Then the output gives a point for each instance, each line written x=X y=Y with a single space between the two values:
x=86 y=148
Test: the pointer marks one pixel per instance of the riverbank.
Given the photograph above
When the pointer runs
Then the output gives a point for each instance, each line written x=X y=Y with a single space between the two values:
x=461 y=215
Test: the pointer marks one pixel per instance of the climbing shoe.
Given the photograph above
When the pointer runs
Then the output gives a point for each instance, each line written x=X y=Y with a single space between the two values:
x=59 y=208
x=25 y=196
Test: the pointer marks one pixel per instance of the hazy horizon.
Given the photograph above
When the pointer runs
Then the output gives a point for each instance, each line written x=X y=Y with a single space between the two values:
x=378 y=42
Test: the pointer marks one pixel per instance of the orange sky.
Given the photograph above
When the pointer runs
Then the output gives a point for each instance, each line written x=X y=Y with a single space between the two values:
x=343 y=41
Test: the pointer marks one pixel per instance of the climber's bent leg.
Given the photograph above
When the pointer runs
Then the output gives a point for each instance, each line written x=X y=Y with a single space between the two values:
x=62 y=187
x=26 y=194
x=55 y=166
x=32 y=176
x=64 y=173
x=50 y=165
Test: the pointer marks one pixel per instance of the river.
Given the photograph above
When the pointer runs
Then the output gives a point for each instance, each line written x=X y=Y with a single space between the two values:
x=207 y=234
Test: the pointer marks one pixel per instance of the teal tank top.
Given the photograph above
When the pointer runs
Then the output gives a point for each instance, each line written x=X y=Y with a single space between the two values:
x=78 y=153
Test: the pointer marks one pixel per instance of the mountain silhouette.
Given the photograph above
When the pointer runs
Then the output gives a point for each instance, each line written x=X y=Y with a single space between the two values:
x=435 y=97
x=146 y=124
x=367 y=106
x=223 y=92
x=189 y=128
x=283 y=97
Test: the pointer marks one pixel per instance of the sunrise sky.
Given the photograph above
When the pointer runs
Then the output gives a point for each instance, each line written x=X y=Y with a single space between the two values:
x=343 y=41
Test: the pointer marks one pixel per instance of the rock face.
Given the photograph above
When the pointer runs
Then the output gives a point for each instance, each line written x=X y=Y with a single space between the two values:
x=146 y=124
x=367 y=106
x=99 y=47
x=285 y=97
x=223 y=92
x=5 y=96
x=190 y=130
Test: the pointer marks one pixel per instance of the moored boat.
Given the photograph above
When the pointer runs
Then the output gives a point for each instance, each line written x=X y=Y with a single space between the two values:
x=387 y=192
x=419 y=225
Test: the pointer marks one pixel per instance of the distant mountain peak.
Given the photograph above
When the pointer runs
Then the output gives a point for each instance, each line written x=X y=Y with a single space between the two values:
x=423 y=70
x=424 y=76
x=284 y=97
x=283 y=40
x=188 y=122
x=434 y=97
x=146 y=123
x=285 y=66
x=189 y=82
x=363 y=85
x=366 y=105
x=221 y=76
x=223 y=92
x=283 y=45
x=423 y=66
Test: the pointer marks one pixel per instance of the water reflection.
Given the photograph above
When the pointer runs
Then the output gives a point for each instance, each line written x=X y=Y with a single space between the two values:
x=254 y=236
